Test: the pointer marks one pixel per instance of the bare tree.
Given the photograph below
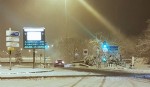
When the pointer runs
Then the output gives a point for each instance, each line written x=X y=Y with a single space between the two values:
x=18 y=56
x=143 y=46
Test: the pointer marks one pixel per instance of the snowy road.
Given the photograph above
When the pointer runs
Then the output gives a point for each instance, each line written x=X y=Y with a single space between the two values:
x=70 y=79
x=77 y=82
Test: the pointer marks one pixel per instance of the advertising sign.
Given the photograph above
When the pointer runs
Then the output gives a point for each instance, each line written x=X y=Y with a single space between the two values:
x=34 y=37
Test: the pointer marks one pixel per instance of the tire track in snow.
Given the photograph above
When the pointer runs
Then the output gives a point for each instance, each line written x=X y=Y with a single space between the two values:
x=78 y=81
x=103 y=82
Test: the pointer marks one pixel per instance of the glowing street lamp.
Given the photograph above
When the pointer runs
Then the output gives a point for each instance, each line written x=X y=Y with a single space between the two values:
x=52 y=45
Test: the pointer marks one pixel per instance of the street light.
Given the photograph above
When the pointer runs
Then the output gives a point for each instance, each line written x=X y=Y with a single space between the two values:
x=52 y=45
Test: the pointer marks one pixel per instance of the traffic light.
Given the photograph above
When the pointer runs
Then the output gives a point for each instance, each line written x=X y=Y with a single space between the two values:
x=104 y=45
x=104 y=59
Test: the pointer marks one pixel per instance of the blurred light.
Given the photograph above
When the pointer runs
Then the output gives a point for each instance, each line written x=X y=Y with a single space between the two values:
x=46 y=46
x=104 y=21
x=104 y=59
x=36 y=51
x=33 y=28
x=84 y=28
x=105 y=46
x=63 y=62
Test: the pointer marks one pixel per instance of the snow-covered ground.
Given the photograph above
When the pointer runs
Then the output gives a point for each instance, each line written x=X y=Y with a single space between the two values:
x=83 y=81
x=138 y=69
x=27 y=72
x=77 y=82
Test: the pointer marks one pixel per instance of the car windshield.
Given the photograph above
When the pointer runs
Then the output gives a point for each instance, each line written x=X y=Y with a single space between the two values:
x=79 y=43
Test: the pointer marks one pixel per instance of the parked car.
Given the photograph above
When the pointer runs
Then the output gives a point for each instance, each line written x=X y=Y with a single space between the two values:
x=59 y=62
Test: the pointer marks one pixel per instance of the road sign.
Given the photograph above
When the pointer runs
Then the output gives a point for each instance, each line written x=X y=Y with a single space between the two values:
x=113 y=48
x=12 y=44
x=10 y=48
x=12 y=33
x=34 y=38
x=85 y=52
x=12 y=39
x=15 y=33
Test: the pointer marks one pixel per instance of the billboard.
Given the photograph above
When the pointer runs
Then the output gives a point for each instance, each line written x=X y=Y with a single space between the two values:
x=34 y=38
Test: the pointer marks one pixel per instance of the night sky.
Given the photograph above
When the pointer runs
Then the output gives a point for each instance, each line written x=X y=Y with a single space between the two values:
x=129 y=16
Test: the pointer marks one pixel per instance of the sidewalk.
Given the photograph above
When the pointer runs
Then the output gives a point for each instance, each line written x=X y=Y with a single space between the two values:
x=26 y=72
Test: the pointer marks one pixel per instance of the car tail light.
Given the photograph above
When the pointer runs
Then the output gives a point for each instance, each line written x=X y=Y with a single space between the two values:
x=56 y=61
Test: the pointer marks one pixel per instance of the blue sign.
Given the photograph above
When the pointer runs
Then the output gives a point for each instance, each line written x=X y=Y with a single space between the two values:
x=15 y=33
x=34 y=38
x=113 y=48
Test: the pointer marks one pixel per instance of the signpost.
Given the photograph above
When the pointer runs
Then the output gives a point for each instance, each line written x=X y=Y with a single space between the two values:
x=12 y=40
x=34 y=38
x=12 y=44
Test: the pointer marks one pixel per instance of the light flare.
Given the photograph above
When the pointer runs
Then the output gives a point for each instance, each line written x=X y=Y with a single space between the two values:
x=104 y=21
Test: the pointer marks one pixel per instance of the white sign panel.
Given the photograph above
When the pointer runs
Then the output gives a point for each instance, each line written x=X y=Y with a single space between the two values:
x=12 y=44
x=12 y=33
x=12 y=39
x=8 y=32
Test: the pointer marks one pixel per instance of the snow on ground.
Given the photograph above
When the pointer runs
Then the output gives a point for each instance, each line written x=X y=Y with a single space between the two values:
x=77 y=82
x=26 y=72
x=67 y=81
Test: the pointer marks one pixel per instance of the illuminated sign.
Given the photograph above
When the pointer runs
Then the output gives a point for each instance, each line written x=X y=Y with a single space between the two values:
x=34 y=38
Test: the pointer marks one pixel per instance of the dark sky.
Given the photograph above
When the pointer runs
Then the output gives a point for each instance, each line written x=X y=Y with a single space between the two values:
x=129 y=16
